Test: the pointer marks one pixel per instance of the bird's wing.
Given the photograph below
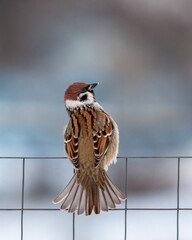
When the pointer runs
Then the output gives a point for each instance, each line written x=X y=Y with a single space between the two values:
x=102 y=137
x=71 y=141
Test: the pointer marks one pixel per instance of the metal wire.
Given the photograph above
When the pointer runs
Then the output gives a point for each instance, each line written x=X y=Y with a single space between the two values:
x=73 y=218
x=126 y=187
x=126 y=209
x=22 y=199
x=178 y=194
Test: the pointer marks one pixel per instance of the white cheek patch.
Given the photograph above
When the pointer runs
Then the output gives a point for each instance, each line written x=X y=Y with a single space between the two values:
x=90 y=97
x=72 y=104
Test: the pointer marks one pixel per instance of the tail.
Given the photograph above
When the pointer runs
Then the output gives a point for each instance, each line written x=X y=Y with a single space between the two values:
x=86 y=195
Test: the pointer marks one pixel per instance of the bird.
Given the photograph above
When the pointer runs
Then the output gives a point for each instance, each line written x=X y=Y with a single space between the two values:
x=91 y=141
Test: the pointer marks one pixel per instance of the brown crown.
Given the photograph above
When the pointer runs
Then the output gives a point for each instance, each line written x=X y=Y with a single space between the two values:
x=74 y=90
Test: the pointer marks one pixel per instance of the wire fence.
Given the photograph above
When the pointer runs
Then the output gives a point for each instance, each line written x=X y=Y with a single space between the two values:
x=125 y=209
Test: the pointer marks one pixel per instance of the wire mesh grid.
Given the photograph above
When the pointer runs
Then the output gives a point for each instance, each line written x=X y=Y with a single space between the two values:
x=125 y=209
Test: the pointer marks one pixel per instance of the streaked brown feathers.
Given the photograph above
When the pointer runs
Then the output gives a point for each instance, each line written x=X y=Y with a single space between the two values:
x=71 y=141
x=87 y=139
x=102 y=138
x=101 y=135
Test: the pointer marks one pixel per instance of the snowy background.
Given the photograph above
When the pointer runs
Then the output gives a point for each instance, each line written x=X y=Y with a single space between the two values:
x=141 y=54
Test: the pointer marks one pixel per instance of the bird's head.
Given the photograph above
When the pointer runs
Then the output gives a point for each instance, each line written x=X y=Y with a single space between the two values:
x=79 y=94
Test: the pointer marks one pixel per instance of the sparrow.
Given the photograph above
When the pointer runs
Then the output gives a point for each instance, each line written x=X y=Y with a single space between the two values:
x=91 y=143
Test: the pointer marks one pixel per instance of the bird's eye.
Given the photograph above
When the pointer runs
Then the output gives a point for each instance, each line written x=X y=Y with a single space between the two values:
x=83 y=90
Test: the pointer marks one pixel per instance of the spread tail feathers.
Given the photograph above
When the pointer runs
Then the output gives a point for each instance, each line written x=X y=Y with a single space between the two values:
x=86 y=195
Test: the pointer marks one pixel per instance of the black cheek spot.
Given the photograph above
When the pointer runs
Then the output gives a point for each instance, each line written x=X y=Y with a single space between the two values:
x=83 y=98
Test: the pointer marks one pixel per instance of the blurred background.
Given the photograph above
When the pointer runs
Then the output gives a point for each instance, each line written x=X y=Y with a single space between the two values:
x=141 y=54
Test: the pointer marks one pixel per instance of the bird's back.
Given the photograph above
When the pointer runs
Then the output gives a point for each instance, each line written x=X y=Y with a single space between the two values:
x=86 y=150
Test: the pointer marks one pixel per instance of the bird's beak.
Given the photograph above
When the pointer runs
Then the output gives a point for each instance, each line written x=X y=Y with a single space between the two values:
x=93 y=85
